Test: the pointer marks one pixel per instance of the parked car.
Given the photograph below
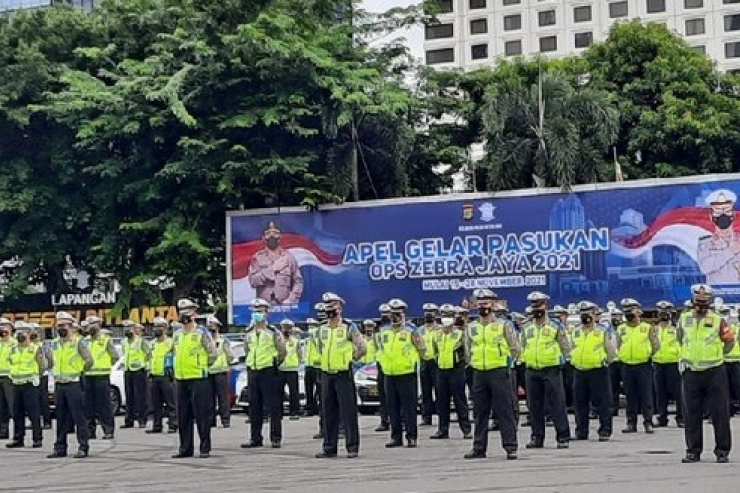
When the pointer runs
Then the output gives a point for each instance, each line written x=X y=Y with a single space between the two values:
x=241 y=387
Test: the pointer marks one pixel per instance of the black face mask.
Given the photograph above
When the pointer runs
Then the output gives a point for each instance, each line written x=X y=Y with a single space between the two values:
x=84 y=332
x=586 y=318
x=616 y=322
x=272 y=243
x=331 y=313
x=321 y=316
x=664 y=317
x=158 y=332
x=459 y=321
x=94 y=331
x=128 y=334
x=428 y=319
x=630 y=317
x=21 y=337
x=396 y=318
x=484 y=311
x=63 y=332
x=539 y=313
x=3 y=333
x=724 y=221
x=34 y=337
x=385 y=318
x=701 y=307
x=185 y=319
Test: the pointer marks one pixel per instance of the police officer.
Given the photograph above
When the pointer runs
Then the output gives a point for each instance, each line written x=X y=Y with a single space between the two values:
x=7 y=343
x=265 y=351
x=665 y=363
x=705 y=339
x=194 y=352
x=71 y=358
x=45 y=409
x=384 y=324
x=313 y=369
x=160 y=374
x=593 y=350
x=732 y=363
x=560 y=314
x=370 y=342
x=491 y=346
x=26 y=366
x=97 y=380
x=340 y=343
x=615 y=368
x=544 y=346
x=290 y=366
x=218 y=373
x=637 y=342
x=136 y=357
x=402 y=347
x=428 y=371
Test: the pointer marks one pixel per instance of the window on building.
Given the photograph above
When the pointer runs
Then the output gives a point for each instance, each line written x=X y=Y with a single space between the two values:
x=445 y=6
x=582 y=14
x=584 y=40
x=512 y=2
x=546 y=18
x=695 y=27
x=730 y=1
x=732 y=50
x=732 y=22
x=700 y=49
x=444 y=55
x=512 y=48
x=479 y=26
x=477 y=4
x=479 y=52
x=693 y=4
x=512 y=22
x=618 y=9
x=548 y=43
x=655 y=6
x=438 y=31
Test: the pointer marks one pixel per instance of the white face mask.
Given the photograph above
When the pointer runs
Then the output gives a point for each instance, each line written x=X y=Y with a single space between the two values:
x=447 y=321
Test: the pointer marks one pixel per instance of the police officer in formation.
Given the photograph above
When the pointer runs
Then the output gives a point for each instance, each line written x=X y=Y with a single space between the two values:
x=136 y=358
x=290 y=366
x=428 y=369
x=37 y=332
x=27 y=364
x=665 y=365
x=161 y=389
x=732 y=364
x=97 y=380
x=385 y=322
x=371 y=343
x=312 y=375
x=7 y=343
x=218 y=373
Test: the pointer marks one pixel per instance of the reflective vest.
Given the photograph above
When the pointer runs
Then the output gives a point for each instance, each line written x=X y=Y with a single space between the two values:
x=134 y=354
x=24 y=368
x=634 y=343
x=401 y=355
x=670 y=347
x=336 y=348
x=102 y=361
x=161 y=351
x=448 y=347
x=588 y=349
x=734 y=354
x=542 y=348
x=489 y=349
x=221 y=365
x=292 y=360
x=313 y=355
x=429 y=335
x=191 y=358
x=68 y=364
x=263 y=352
x=379 y=355
x=372 y=351
x=702 y=348
x=5 y=349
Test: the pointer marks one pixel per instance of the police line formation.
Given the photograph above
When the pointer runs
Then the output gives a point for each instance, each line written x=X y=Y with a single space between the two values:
x=693 y=357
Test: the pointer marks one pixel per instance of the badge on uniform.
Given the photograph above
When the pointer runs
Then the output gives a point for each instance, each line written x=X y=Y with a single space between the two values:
x=402 y=336
x=339 y=332
x=545 y=331
x=644 y=329
x=194 y=337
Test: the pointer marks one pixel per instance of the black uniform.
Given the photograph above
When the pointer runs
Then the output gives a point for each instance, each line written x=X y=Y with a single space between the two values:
x=6 y=406
x=98 y=405
x=265 y=394
x=451 y=385
x=70 y=411
x=26 y=403
x=163 y=402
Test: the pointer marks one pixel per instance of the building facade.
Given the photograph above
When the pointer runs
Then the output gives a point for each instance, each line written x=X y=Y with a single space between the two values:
x=12 y=5
x=473 y=33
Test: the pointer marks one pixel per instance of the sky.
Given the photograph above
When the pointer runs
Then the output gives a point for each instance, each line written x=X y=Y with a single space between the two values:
x=414 y=36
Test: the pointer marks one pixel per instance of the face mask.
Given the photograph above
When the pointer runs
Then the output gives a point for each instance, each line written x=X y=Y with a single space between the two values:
x=185 y=319
x=385 y=318
x=3 y=333
x=21 y=337
x=34 y=337
x=258 y=317
x=664 y=317
x=586 y=318
x=396 y=318
x=459 y=321
x=158 y=332
x=723 y=222
x=272 y=243
x=616 y=322
x=484 y=311
x=428 y=319
x=321 y=316
x=332 y=312
x=701 y=307
x=128 y=334
x=94 y=331
x=447 y=321
x=538 y=313
x=630 y=317
x=63 y=332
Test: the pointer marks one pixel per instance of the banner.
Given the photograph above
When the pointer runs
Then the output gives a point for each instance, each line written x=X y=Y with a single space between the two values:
x=648 y=240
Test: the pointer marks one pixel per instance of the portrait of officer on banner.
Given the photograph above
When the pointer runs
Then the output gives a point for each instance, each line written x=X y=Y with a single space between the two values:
x=274 y=272
x=718 y=254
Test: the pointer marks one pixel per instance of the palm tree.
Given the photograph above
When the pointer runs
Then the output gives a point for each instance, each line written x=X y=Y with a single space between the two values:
x=555 y=132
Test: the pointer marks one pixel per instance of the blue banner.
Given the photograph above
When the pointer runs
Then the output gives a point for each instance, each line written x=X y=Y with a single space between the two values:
x=649 y=241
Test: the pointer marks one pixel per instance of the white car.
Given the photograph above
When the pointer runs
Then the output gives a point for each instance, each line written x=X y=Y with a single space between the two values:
x=242 y=389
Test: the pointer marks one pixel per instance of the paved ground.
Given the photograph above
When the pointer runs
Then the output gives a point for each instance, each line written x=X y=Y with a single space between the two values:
x=136 y=462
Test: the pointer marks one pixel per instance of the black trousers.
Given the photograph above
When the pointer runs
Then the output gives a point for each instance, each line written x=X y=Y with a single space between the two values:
x=70 y=409
x=290 y=379
x=615 y=384
x=134 y=383
x=545 y=388
x=451 y=385
x=428 y=375
x=384 y=418
x=194 y=406
x=706 y=391
x=732 y=368
x=313 y=389
x=568 y=385
x=638 y=385
x=492 y=390
x=265 y=394
x=339 y=401
x=402 y=400
x=26 y=403
x=220 y=389
x=591 y=388
x=667 y=384
x=97 y=404
x=6 y=405
x=163 y=401
x=45 y=409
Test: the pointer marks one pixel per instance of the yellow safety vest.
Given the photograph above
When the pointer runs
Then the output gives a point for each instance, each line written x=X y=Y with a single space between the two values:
x=5 y=349
x=401 y=355
x=134 y=354
x=336 y=348
x=379 y=355
x=102 y=361
x=542 y=347
x=191 y=358
x=292 y=362
x=372 y=351
x=489 y=348
x=448 y=345
x=24 y=368
x=221 y=365
x=734 y=355
x=429 y=336
x=68 y=364
x=263 y=352
x=313 y=355
x=160 y=352
x=588 y=349
x=635 y=347
x=702 y=348
x=670 y=347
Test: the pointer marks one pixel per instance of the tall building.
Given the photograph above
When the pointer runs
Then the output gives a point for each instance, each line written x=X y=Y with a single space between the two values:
x=474 y=33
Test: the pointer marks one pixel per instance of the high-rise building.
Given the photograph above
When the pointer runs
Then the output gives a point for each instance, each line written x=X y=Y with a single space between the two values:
x=474 y=33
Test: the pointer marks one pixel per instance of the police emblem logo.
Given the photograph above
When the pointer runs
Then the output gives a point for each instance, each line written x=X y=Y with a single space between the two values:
x=339 y=332
x=467 y=212
x=194 y=337
x=402 y=336
x=546 y=331
x=486 y=212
